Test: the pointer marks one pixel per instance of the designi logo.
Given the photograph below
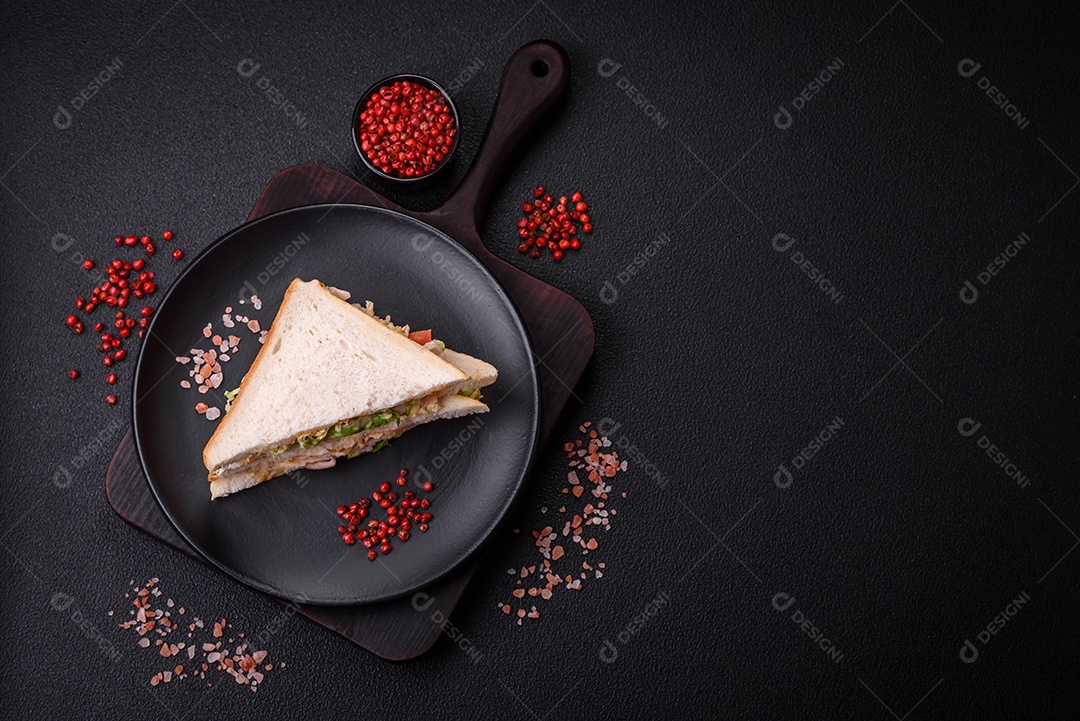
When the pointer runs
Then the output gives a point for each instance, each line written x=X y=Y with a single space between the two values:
x=61 y=601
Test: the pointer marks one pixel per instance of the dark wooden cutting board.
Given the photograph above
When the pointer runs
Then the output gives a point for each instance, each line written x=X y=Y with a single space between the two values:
x=534 y=79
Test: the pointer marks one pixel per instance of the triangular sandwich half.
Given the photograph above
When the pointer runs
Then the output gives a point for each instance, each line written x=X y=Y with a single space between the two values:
x=333 y=380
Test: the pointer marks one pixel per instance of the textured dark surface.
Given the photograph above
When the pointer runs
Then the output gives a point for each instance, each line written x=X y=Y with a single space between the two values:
x=899 y=180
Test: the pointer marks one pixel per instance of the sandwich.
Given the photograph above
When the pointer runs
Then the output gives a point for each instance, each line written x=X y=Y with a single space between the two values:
x=333 y=380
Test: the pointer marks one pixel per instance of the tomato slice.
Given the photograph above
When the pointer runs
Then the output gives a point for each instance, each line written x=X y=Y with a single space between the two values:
x=421 y=336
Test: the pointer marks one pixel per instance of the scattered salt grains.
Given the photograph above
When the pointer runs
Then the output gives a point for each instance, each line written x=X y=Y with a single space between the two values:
x=154 y=626
x=592 y=469
x=207 y=363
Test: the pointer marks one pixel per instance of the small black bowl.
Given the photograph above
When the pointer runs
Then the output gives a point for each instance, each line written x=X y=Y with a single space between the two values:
x=419 y=80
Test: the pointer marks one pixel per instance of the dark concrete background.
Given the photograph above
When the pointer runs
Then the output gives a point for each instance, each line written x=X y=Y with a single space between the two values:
x=899 y=180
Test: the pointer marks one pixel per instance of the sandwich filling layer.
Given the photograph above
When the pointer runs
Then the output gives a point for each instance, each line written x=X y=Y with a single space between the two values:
x=317 y=449
x=261 y=467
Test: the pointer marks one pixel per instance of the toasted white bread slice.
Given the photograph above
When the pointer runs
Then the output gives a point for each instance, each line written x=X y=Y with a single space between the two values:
x=326 y=453
x=323 y=361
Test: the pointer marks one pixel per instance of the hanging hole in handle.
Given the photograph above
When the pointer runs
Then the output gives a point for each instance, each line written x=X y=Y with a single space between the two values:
x=540 y=68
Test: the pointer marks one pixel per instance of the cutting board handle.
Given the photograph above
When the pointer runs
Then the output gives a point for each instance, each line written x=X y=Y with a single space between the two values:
x=534 y=79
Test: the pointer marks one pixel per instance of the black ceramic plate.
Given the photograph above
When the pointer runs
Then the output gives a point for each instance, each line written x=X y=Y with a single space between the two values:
x=281 y=536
